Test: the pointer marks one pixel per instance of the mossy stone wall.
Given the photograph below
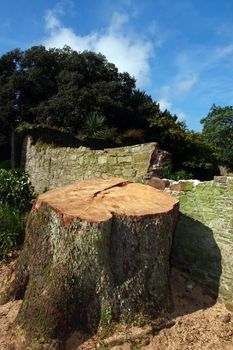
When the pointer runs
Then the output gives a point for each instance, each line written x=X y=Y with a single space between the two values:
x=203 y=241
x=50 y=167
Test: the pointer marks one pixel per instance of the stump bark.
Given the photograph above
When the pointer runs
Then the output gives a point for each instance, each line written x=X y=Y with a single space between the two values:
x=96 y=251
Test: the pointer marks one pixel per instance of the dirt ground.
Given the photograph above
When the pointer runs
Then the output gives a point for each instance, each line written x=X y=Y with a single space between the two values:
x=197 y=323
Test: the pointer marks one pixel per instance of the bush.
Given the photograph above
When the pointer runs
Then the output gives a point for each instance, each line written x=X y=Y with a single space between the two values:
x=11 y=229
x=15 y=189
x=16 y=196
x=177 y=175
x=218 y=131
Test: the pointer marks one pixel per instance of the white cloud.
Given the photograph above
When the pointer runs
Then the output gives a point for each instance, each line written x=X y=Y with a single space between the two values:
x=167 y=104
x=164 y=104
x=51 y=21
x=179 y=86
x=127 y=50
x=170 y=94
x=185 y=85
x=128 y=55
x=118 y=21
x=65 y=36
x=223 y=52
x=181 y=115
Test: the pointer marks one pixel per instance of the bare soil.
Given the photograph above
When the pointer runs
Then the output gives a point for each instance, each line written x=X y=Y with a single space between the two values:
x=196 y=323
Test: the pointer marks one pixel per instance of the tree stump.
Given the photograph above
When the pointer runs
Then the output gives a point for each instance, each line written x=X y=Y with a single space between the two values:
x=95 y=251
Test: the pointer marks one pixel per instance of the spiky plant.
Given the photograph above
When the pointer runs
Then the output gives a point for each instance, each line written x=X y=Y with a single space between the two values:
x=94 y=125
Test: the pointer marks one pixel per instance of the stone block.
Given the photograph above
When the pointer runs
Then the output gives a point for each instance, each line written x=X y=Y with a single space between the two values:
x=125 y=159
x=102 y=160
x=127 y=173
x=158 y=183
x=178 y=186
x=141 y=167
x=112 y=160
x=80 y=160
x=136 y=148
x=117 y=171
x=141 y=157
x=73 y=156
x=221 y=179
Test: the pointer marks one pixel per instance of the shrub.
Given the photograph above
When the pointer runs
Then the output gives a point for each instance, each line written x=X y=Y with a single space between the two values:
x=15 y=189
x=11 y=229
x=168 y=173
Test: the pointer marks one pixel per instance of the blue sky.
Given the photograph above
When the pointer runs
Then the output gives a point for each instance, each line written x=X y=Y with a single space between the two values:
x=180 y=51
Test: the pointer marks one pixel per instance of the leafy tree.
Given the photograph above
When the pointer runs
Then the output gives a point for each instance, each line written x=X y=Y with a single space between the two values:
x=8 y=96
x=218 y=130
x=189 y=152
x=143 y=108
x=62 y=88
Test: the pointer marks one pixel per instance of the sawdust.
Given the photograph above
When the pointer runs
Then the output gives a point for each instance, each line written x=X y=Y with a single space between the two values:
x=197 y=323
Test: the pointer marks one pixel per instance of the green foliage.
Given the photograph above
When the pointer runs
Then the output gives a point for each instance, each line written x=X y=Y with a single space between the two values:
x=15 y=189
x=108 y=135
x=11 y=229
x=95 y=133
x=189 y=152
x=168 y=173
x=218 y=131
x=107 y=316
x=16 y=196
x=107 y=323
x=59 y=87
x=93 y=125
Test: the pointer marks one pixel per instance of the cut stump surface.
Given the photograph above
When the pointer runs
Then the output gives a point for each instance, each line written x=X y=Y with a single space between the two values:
x=97 y=200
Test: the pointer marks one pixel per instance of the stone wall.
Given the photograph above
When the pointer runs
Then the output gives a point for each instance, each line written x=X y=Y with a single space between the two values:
x=203 y=242
x=51 y=167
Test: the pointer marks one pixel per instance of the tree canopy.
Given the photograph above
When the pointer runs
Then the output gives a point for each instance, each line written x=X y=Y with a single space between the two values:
x=63 y=88
x=218 y=130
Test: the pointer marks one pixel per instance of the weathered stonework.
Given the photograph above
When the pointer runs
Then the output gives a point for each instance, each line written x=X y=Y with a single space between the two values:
x=203 y=243
x=50 y=167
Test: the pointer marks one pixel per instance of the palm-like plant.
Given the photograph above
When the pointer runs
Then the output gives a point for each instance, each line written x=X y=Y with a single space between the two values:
x=94 y=124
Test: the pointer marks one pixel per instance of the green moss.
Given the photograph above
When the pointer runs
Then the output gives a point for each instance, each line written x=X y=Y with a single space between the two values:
x=188 y=186
x=204 y=236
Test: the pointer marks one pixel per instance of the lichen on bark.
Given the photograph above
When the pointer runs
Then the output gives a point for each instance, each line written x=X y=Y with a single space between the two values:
x=77 y=273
